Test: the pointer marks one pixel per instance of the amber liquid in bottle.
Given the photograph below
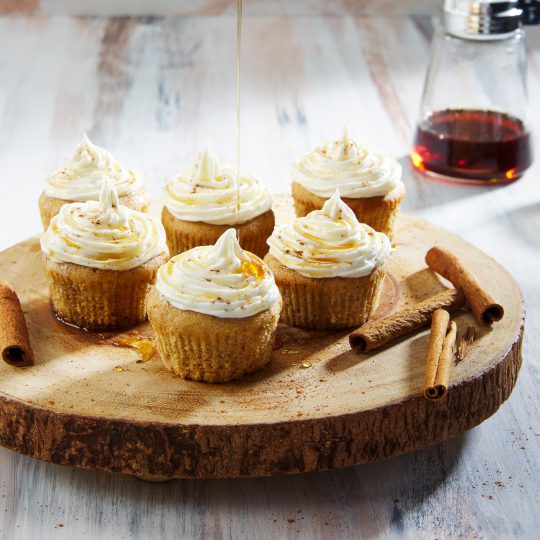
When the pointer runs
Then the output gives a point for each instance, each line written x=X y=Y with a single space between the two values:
x=476 y=146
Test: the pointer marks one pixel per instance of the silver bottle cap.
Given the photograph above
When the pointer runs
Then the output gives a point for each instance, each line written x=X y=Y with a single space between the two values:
x=481 y=19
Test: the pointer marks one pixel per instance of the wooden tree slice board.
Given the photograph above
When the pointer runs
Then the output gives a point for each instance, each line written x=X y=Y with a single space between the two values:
x=318 y=405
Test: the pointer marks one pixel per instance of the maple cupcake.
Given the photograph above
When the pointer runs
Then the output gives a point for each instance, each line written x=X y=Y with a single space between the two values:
x=215 y=310
x=369 y=182
x=200 y=204
x=80 y=179
x=328 y=267
x=100 y=259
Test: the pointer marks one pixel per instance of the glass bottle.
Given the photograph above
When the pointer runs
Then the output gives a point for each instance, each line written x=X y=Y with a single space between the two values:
x=472 y=124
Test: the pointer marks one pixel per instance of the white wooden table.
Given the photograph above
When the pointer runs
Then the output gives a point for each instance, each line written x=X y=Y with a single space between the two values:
x=155 y=91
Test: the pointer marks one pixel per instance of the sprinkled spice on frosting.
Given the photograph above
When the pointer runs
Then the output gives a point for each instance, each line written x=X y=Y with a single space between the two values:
x=207 y=192
x=103 y=234
x=356 y=171
x=81 y=176
x=330 y=242
x=221 y=280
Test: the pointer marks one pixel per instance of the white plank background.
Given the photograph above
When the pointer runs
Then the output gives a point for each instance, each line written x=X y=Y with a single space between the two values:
x=218 y=7
x=154 y=90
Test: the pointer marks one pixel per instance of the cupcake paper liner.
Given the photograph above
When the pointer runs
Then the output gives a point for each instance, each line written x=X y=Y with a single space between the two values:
x=211 y=349
x=377 y=212
x=326 y=303
x=185 y=235
x=96 y=299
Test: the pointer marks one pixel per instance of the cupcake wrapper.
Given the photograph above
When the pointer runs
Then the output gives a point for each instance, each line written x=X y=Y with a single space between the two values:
x=213 y=357
x=210 y=352
x=179 y=243
x=47 y=210
x=381 y=219
x=182 y=236
x=329 y=304
x=380 y=216
x=106 y=301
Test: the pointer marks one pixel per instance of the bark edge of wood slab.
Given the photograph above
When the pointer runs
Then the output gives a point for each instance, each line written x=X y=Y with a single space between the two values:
x=73 y=408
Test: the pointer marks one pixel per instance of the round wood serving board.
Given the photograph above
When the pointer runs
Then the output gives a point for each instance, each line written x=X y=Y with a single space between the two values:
x=317 y=405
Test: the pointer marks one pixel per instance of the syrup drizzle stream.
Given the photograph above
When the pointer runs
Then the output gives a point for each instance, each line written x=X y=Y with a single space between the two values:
x=238 y=47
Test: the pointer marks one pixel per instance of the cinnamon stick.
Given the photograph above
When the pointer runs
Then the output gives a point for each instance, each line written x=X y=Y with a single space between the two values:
x=439 y=324
x=465 y=343
x=14 y=339
x=439 y=355
x=445 y=263
x=445 y=360
x=378 y=333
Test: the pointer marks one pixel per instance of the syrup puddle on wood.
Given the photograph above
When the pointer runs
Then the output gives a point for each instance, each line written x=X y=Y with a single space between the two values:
x=142 y=344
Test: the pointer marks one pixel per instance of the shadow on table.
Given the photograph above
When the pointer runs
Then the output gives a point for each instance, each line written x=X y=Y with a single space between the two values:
x=378 y=499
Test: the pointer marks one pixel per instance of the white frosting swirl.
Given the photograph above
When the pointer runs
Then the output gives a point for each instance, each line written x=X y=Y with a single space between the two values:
x=221 y=280
x=80 y=178
x=103 y=234
x=329 y=243
x=208 y=192
x=357 y=172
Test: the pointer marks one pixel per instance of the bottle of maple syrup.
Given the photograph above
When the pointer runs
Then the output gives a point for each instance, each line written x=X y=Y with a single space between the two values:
x=473 y=116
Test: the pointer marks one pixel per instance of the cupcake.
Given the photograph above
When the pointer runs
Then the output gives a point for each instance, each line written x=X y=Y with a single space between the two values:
x=369 y=182
x=215 y=310
x=328 y=267
x=201 y=203
x=80 y=178
x=100 y=259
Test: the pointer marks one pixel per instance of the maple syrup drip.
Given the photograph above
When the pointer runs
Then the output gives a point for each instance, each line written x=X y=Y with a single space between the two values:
x=238 y=66
x=143 y=345
x=472 y=145
x=251 y=268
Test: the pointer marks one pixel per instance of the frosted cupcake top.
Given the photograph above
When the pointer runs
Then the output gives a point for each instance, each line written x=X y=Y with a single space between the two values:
x=329 y=243
x=81 y=176
x=357 y=171
x=103 y=234
x=221 y=280
x=208 y=192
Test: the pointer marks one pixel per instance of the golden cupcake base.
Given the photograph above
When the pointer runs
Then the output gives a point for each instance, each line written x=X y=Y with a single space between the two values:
x=377 y=212
x=184 y=235
x=207 y=348
x=98 y=300
x=326 y=303
x=50 y=206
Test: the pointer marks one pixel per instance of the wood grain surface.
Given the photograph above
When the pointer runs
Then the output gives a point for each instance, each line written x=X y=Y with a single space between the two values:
x=154 y=91
x=317 y=406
